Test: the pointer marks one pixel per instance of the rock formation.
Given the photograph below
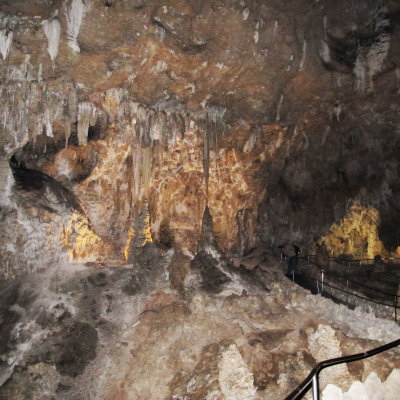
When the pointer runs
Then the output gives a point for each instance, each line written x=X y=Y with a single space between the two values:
x=133 y=333
x=136 y=132
x=280 y=117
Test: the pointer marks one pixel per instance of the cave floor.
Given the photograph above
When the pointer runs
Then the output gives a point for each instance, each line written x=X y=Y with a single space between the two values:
x=77 y=332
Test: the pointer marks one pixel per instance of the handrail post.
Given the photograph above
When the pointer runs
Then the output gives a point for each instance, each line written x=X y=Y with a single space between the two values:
x=315 y=387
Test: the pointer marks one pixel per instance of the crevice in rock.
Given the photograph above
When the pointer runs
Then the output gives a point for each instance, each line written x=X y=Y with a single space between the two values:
x=41 y=190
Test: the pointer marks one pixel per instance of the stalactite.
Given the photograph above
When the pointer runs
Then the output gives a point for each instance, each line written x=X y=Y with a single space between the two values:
x=325 y=135
x=303 y=55
x=7 y=24
x=27 y=109
x=146 y=170
x=164 y=121
x=276 y=27
x=52 y=29
x=256 y=34
x=141 y=123
x=156 y=126
x=67 y=125
x=166 y=129
x=49 y=126
x=278 y=110
x=324 y=52
x=136 y=170
x=180 y=123
x=140 y=233
x=360 y=73
x=370 y=57
x=215 y=115
x=74 y=20
x=206 y=157
x=6 y=37
x=211 y=124
x=86 y=115
x=381 y=44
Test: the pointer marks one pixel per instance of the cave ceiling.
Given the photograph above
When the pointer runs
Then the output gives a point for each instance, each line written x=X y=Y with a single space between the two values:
x=282 y=117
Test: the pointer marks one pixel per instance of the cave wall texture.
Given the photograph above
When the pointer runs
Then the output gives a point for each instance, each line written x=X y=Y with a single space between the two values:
x=121 y=120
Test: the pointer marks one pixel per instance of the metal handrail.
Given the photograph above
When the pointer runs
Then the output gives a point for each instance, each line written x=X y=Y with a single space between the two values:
x=359 y=284
x=357 y=295
x=352 y=281
x=312 y=378
x=352 y=261
x=323 y=282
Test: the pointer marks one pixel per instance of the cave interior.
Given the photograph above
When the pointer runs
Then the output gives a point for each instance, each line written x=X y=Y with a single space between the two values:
x=155 y=156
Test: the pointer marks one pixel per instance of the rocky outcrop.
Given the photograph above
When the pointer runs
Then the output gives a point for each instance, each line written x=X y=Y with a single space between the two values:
x=71 y=331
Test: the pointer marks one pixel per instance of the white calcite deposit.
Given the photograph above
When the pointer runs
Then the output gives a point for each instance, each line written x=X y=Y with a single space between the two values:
x=371 y=389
